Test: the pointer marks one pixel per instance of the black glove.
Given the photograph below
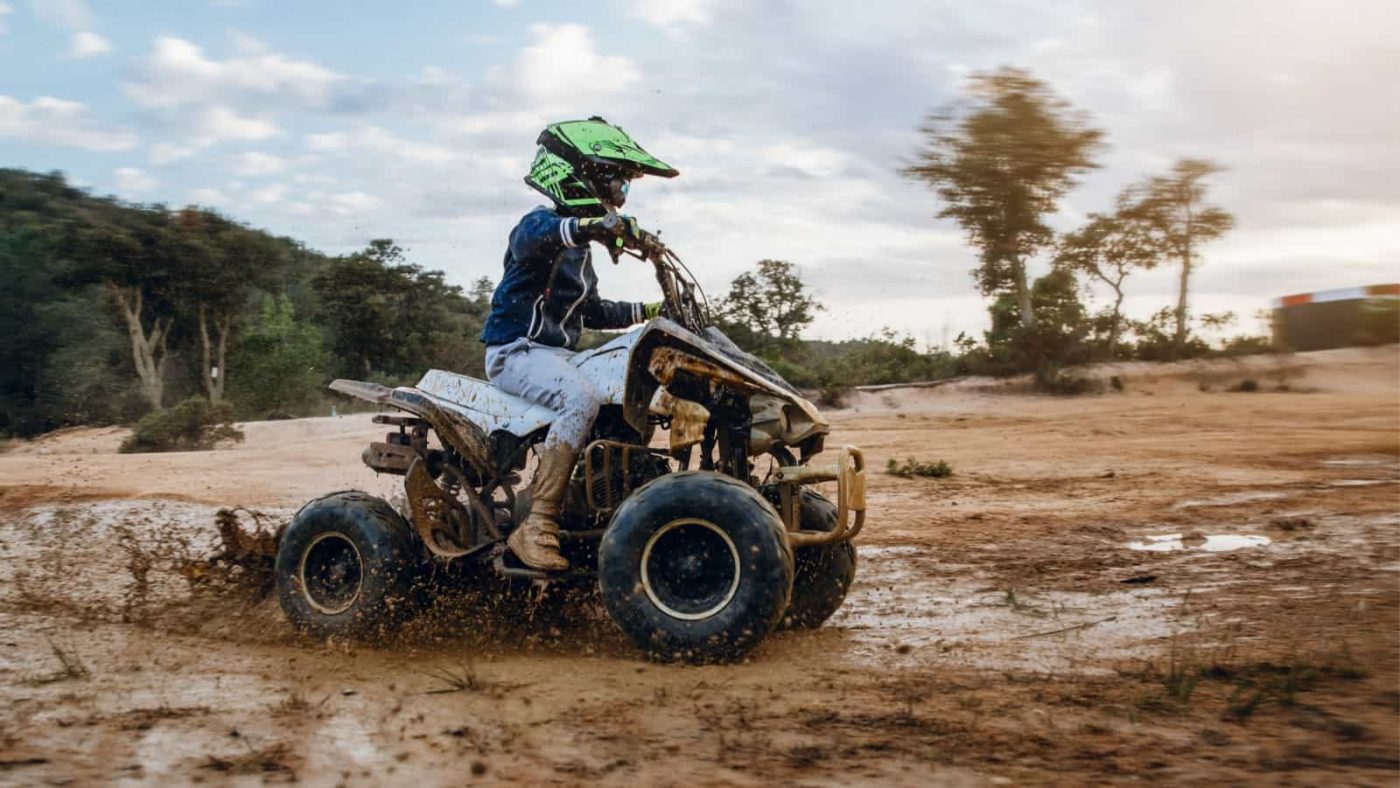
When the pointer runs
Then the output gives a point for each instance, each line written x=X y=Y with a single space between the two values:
x=618 y=231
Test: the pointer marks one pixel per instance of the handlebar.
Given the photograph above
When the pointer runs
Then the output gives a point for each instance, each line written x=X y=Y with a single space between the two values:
x=678 y=287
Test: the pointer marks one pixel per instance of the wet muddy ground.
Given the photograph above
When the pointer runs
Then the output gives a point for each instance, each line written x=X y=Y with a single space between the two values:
x=1162 y=584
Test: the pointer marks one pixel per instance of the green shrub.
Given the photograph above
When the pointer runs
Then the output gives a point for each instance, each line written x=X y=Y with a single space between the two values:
x=912 y=468
x=190 y=426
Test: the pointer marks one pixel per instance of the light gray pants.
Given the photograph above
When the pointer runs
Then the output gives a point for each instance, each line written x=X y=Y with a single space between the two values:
x=543 y=375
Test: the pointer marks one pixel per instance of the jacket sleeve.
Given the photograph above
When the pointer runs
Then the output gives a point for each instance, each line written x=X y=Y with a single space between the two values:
x=541 y=234
x=602 y=314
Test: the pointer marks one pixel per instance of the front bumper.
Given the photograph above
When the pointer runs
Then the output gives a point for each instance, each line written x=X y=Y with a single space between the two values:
x=849 y=474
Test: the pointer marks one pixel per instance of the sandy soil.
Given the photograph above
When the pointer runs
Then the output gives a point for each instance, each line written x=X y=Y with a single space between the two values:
x=1002 y=630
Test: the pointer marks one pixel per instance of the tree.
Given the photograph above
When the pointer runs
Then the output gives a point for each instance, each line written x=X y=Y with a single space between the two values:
x=388 y=316
x=30 y=334
x=137 y=265
x=1107 y=248
x=282 y=363
x=1001 y=166
x=226 y=262
x=772 y=303
x=1055 y=340
x=1181 y=220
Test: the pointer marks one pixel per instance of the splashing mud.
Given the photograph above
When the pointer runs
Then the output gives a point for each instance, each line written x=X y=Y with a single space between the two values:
x=1212 y=543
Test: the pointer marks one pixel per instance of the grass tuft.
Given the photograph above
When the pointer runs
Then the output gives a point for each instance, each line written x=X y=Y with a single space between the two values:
x=911 y=468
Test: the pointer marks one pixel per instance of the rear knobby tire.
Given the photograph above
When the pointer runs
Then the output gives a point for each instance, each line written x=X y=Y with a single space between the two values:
x=695 y=567
x=823 y=572
x=346 y=568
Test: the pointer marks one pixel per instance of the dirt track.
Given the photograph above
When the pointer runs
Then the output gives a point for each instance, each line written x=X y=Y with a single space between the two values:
x=1001 y=630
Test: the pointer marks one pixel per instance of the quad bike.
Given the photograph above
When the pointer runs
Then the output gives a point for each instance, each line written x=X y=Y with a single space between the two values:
x=697 y=556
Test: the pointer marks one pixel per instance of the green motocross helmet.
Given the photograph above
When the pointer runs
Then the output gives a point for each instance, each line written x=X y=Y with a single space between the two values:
x=584 y=165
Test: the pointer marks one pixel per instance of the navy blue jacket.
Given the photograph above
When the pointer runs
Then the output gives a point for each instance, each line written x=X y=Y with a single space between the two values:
x=549 y=290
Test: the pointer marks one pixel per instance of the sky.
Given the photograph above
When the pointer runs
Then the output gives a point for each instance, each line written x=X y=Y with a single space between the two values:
x=338 y=122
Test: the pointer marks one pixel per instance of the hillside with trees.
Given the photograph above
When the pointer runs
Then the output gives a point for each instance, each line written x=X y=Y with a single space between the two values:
x=112 y=310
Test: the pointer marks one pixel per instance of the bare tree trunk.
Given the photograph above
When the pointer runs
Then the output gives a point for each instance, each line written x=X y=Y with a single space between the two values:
x=214 y=355
x=1116 y=327
x=224 y=325
x=1180 y=337
x=1179 y=340
x=1023 y=295
x=148 y=349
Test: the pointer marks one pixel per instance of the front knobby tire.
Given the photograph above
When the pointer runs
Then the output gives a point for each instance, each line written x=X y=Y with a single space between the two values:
x=695 y=567
x=346 y=568
x=824 y=572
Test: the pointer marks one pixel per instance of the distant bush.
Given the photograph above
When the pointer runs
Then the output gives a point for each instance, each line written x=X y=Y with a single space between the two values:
x=1243 y=345
x=833 y=395
x=190 y=426
x=1063 y=384
x=911 y=468
x=1247 y=385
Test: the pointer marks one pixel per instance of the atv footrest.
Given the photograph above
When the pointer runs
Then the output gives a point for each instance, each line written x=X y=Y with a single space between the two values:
x=507 y=565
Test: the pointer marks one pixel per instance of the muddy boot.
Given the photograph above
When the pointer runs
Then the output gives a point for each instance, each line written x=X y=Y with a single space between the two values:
x=536 y=541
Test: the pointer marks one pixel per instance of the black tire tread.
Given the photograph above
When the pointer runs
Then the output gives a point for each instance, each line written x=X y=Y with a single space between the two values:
x=388 y=548
x=662 y=637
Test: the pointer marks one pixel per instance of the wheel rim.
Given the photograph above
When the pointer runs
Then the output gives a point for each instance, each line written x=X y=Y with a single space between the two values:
x=331 y=573
x=690 y=569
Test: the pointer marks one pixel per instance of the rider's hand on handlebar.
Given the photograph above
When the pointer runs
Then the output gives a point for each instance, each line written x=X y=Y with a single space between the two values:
x=619 y=232
x=630 y=235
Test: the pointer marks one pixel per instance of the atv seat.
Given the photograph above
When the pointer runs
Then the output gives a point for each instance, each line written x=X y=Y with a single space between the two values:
x=484 y=404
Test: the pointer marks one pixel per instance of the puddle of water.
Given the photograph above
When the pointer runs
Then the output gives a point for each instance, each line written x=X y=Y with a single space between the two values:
x=1231 y=499
x=1214 y=543
x=908 y=605
x=163 y=747
x=1358 y=461
x=351 y=739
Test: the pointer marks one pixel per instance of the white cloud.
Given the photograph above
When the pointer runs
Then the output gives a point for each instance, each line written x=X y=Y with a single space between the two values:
x=382 y=143
x=357 y=202
x=216 y=124
x=670 y=13
x=563 y=68
x=207 y=196
x=247 y=44
x=255 y=163
x=72 y=14
x=51 y=121
x=5 y=10
x=87 y=44
x=506 y=3
x=177 y=73
x=806 y=157
x=269 y=194
x=167 y=152
x=133 y=181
